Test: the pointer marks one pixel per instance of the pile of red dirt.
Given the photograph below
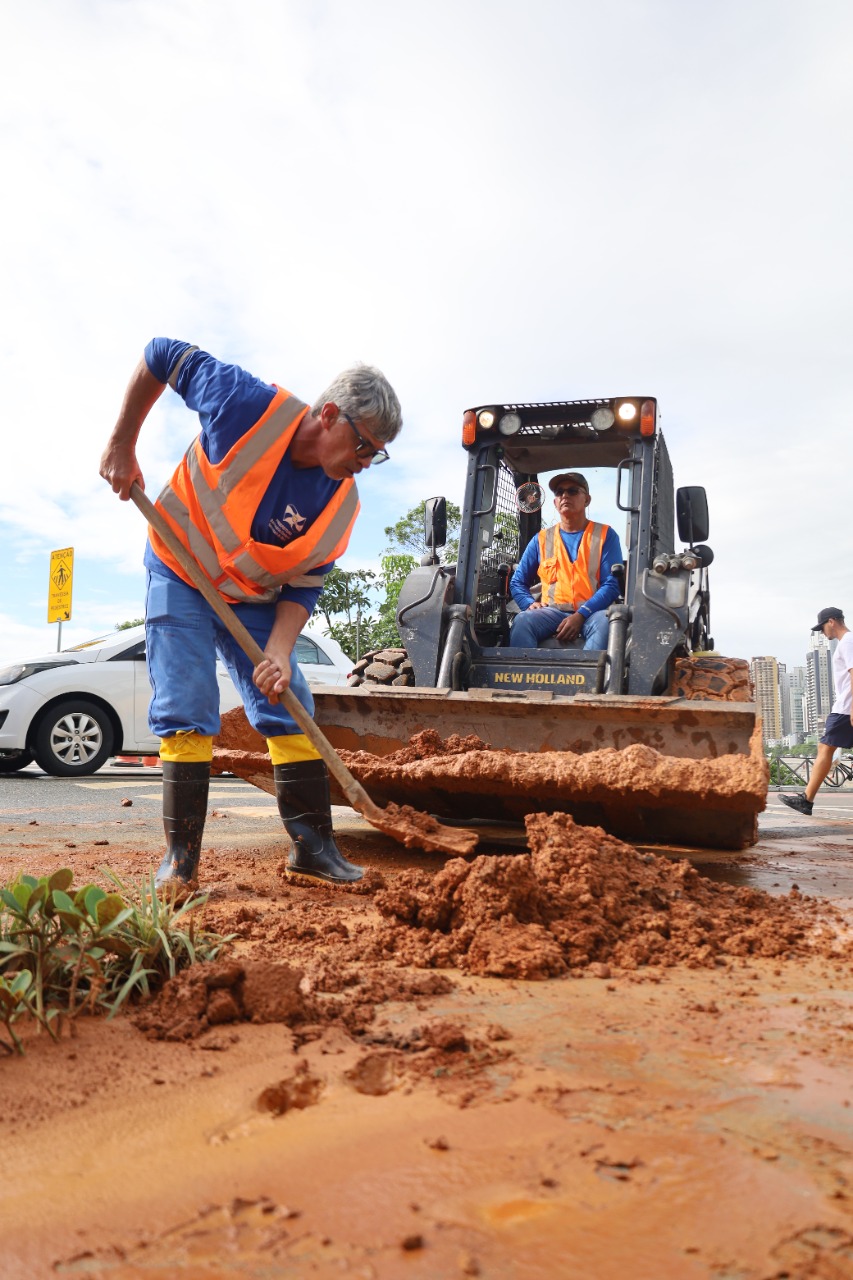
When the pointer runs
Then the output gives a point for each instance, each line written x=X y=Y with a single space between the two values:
x=582 y=897
x=579 y=900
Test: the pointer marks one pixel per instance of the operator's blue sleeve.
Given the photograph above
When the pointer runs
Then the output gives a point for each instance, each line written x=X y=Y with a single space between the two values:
x=228 y=401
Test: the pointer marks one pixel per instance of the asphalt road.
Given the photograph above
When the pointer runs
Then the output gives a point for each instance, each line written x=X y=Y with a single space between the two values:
x=815 y=853
x=98 y=804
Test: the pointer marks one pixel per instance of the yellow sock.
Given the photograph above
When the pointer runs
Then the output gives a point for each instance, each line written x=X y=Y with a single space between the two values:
x=289 y=748
x=187 y=747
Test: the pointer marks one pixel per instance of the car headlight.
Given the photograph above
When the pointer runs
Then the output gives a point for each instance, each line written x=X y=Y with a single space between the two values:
x=23 y=670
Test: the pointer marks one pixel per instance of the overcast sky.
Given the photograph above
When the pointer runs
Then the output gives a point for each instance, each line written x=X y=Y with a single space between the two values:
x=491 y=201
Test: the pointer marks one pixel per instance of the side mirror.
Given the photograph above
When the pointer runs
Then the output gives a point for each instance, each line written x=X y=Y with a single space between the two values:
x=691 y=511
x=435 y=522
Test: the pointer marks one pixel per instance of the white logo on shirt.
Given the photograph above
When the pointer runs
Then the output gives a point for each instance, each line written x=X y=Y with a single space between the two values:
x=290 y=524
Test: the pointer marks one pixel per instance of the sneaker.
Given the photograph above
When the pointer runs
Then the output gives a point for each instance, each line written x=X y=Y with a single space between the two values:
x=798 y=802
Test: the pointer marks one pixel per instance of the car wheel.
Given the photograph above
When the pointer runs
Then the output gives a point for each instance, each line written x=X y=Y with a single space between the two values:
x=73 y=739
x=14 y=761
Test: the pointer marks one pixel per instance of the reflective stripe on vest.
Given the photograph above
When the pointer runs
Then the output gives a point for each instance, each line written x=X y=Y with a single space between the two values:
x=564 y=581
x=210 y=507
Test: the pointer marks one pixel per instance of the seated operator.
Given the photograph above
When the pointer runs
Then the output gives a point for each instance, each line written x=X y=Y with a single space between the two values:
x=573 y=561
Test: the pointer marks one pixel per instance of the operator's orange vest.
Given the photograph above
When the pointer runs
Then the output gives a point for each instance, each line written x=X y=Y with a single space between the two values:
x=562 y=581
x=211 y=508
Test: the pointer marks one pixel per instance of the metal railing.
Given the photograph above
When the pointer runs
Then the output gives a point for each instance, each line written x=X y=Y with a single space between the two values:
x=794 y=771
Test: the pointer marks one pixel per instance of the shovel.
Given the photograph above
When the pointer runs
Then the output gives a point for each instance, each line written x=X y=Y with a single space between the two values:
x=411 y=827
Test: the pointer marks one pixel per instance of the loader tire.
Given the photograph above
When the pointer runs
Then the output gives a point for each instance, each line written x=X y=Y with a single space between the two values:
x=713 y=678
x=383 y=666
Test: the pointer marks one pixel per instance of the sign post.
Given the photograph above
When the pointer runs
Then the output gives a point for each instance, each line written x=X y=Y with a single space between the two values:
x=59 y=589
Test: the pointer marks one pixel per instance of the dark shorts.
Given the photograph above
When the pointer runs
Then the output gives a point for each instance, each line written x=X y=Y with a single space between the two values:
x=838 y=731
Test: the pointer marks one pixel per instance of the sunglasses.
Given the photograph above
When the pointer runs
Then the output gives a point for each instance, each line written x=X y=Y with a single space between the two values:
x=571 y=492
x=364 y=449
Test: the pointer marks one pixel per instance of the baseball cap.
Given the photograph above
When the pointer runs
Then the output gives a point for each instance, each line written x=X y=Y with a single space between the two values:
x=574 y=477
x=828 y=615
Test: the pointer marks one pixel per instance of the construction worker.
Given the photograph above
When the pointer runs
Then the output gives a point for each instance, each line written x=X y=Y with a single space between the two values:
x=572 y=560
x=838 y=731
x=265 y=501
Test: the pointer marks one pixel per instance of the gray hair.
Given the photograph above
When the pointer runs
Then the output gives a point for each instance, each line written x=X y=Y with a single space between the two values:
x=368 y=397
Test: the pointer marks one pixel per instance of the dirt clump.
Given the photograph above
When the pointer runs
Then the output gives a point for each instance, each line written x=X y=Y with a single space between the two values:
x=429 y=745
x=296 y=1092
x=581 y=898
x=225 y=991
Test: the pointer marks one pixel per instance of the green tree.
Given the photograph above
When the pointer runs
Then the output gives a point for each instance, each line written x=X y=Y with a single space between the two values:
x=408 y=533
x=396 y=567
x=348 y=603
x=345 y=606
x=125 y=626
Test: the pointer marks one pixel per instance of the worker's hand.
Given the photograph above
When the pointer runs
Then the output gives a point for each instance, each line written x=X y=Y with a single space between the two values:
x=272 y=676
x=120 y=469
x=535 y=604
x=571 y=627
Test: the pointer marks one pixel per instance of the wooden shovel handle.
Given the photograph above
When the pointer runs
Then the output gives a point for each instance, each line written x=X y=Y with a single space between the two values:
x=351 y=787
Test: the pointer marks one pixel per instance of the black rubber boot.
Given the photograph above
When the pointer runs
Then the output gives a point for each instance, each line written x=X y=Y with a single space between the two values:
x=302 y=792
x=184 y=811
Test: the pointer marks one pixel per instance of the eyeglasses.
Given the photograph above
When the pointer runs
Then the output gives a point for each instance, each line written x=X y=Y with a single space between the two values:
x=364 y=449
x=571 y=492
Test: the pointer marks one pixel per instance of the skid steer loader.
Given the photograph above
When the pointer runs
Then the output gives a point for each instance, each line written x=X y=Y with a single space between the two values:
x=652 y=738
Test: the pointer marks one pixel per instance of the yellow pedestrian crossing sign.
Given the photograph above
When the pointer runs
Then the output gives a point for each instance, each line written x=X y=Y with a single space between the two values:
x=59 y=587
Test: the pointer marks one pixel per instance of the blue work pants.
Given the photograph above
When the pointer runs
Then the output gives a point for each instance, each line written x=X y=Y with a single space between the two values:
x=183 y=638
x=535 y=625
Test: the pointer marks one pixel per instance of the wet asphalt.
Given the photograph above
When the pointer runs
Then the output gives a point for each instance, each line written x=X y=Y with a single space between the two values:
x=815 y=853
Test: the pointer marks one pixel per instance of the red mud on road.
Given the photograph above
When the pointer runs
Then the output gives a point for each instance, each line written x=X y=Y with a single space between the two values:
x=580 y=1060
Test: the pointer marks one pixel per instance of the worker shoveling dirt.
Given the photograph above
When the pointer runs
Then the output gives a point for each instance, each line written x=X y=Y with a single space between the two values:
x=404 y=823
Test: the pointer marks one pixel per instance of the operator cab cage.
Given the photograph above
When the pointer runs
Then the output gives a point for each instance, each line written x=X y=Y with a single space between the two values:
x=509 y=446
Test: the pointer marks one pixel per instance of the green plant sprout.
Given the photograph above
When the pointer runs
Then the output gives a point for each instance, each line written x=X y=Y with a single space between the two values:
x=61 y=955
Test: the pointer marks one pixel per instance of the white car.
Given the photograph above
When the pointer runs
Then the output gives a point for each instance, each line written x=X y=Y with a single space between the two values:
x=72 y=711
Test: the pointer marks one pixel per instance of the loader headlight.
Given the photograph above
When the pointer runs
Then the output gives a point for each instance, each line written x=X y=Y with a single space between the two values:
x=486 y=419
x=602 y=418
x=627 y=411
x=509 y=424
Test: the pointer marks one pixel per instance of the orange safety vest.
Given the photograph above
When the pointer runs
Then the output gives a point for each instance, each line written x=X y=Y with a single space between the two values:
x=211 y=507
x=565 y=582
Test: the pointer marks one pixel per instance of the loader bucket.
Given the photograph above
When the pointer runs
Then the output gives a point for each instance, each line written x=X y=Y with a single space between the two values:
x=650 y=770
x=669 y=771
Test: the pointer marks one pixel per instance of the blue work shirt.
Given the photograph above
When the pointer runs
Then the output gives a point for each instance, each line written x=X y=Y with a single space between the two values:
x=229 y=401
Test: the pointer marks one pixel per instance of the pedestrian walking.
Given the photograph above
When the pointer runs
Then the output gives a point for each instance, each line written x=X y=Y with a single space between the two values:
x=839 y=730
